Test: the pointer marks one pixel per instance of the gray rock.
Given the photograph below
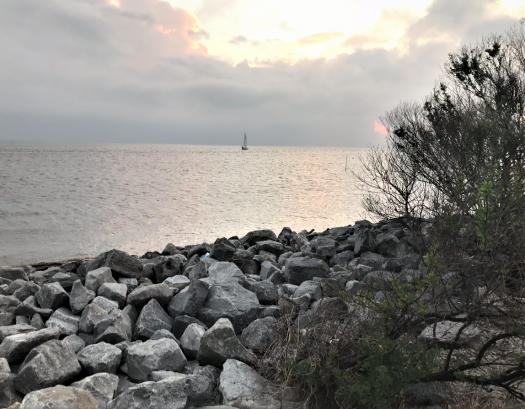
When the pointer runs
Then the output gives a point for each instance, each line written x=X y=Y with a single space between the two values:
x=425 y=394
x=199 y=249
x=232 y=301
x=41 y=277
x=242 y=387
x=190 y=300
x=29 y=308
x=132 y=313
x=151 y=318
x=5 y=371
x=266 y=292
x=258 y=235
x=224 y=272
x=220 y=343
x=74 y=342
x=163 y=333
x=52 y=296
x=386 y=245
x=13 y=273
x=271 y=246
x=299 y=269
x=364 y=242
x=20 y=319
x=177 y=283
x=8 y=394
x=95 y=278
x=64 y=320
x=130 y=283
x=102 y=387
x=155 y=395
x=15 y=347
x=446 y=333
x=59 y=397
x=101 y=357
x=182 y=322
x=191 y=340
x=380 y=279
x=115 y=328
x=115 y=292
x=106 y=304
x=324 y=246
x=222 y=250
x=143 y=294
x=260 y=334
x=310 y=288
x=92 y=315
x=119 y=262
x=49 y=364
x=80 y=297
x=6 y=319
x=66 y=280
x=371 y=259
x=8 y=303
x=15 y=329
x=37 y=322
x=157 y=355
x=341 y=259
x=354 y=287
x=160 y=375
x=27 y=290
x=169 y=267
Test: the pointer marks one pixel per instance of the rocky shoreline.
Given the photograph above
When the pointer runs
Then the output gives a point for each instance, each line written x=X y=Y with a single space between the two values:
x=187 y=327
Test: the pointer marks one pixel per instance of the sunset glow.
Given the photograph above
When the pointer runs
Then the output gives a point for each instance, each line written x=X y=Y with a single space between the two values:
x=163 y=30
x=380 y=129
x=115 y=3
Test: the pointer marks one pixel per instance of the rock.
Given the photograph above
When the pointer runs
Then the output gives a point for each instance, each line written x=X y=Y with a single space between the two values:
x=258 y=235
x=130 y=283
x=425 y=394
x=364 y=242
x=267 y=269
x=446 y=333
x=151 y=318
x=6 y=319
x=115 y=328
x=222 y=250
x=380 y=279
x=59 y=397
x=102 y=387
x=15 y=347
x=157 y=355
x=354 y=287
x=325 y=247
x=190 y=300
x=386 y=245
x=177 y=283
x=132 y=313
x=242 y=387
x=29 y=308
x=266 y=292
x=80 y=297
x=120 y=263
x=170 y=249
x=15 y=329
x=92 y=315
x=244 y=260
x=27 y=290
x=232 y=301
x=52 y=296
x=101 y=357
x=371 y=259
x=199 y=250
x=8 y=303
x=64 y=320
x=191 y=340
x=13 y=273
x=106 y=304
x=49 y=364
x=115 y=292
x=169 y=267
x=299 y=269
x=224 y=272
x=220 y=343
x=41 y=277
x=74 y=342
x=19 y=319
x=66 y=280
x=182 y=322
x=163 y=333
x=8 y=394
x=311 y=288
x=341 y=259
x=271 y=246
x=37 y=322
x=95 y=278
x=143 y=294
x=5 y=371
x=260 y=334
x=165 y=394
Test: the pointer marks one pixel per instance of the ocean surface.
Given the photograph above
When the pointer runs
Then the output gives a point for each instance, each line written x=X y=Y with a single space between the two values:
x=60 y=201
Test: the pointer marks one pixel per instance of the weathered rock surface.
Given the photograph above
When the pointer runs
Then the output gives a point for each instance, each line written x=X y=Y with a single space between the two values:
x=155 y=395
x=102 y=387
x=143 y=294
x=119 y=262
x=299 y=269
x=182 y=322
x=446 y=332
x=79 y=297
x=59 y=397
x=52 y=295
x=64 y=320
x=14 y=330
x=100 y=357
x=189 y=301
x=152 y=318
x=260 y=334
x=14 y=348
x=190 y=341
x=115 y=292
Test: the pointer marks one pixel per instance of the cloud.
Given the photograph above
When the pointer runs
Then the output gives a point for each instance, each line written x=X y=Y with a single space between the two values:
x=283 y=25
x=319 y=38
x=380 y=129
x=84 y=70
x=238 y=40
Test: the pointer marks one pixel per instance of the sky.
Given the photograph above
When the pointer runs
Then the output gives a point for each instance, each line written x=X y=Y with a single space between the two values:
x=286 y=72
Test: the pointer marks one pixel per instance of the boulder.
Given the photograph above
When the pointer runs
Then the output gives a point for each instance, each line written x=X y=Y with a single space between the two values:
x=14 y=348
x=143 y=294
x=66 y=280
x=169 y=267
x=446 y=333
x=13 y=273
x=37 y=321
x=115 y=328
x=119 y=262
x=380 y=279
x=364 y=242
x=95 y=278
x=199 y=250
x=29 y=307
x=64 y=320
x=267 y=269
x=52 y=295
x=152 y=318
x=265 y=291
x=224 y=272
x=130 y=283
x=190 y=300
x=79 y=297
x=6 y=319
x=271 y=246
x=425 y=394
x=8 y=394
x=165 y=394
x=158 y=355
x=115 y=292
x=177 y=283
x=14 y=330
x=8 y=303
x=182 y=322
x=49 y=364
x=325 y=247
x=191 y=340
x=5 y=371
x=163 y=333
x=311 y=288
x=242 y=387
x=74 y=342
x=102 y=387
x=341 y=259
x=59 y=397
x=260 y=334
x=101 y=357
x=92 y=315
x=232 y=301
x=220 y=343
x=386 y=245
x=26 y=290
x=354 y=287
x=299 y=269
x=222 y=250
x=258 y=235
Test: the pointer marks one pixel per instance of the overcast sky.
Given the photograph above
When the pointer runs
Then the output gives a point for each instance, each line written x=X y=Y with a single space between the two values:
x=286 y=72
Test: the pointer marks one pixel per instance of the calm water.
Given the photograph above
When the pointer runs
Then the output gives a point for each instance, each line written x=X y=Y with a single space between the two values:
x=59 y=201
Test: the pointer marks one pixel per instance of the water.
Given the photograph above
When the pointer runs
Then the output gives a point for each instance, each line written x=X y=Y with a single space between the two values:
x=60 y=201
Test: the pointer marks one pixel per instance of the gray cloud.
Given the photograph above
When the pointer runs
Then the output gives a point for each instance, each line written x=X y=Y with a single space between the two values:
x=238 y=40
x=84 y=71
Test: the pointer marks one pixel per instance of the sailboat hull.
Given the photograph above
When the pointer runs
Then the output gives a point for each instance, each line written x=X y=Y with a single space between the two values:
x=244 y=148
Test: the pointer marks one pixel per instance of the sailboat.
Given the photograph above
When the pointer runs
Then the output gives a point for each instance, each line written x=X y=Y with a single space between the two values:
x=245 y=146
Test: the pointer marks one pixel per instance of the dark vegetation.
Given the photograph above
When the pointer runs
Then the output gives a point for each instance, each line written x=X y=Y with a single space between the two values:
x=452 y=174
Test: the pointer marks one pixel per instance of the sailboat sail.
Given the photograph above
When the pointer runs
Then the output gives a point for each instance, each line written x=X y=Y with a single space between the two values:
x=245 y=146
